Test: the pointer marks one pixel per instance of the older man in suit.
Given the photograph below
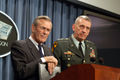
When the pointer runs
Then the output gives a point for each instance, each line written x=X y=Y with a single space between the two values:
x=26 y=54
x=76 y=49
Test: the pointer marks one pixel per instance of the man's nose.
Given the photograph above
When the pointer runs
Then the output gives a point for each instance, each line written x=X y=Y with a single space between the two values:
x=84 y=30
x=45 y=31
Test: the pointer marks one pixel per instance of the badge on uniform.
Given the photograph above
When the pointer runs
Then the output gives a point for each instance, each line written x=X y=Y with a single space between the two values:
x=54 y=46
x=68 y=52
x=92 y=53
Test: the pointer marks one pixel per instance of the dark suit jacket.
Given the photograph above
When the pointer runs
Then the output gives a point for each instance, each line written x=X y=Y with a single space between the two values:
x=25 y=58
x=68 y=54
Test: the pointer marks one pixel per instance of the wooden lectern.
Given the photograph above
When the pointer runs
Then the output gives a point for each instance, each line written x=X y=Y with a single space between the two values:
x=89 y=72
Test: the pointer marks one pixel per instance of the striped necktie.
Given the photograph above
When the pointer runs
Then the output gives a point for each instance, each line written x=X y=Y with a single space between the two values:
x=40 y=50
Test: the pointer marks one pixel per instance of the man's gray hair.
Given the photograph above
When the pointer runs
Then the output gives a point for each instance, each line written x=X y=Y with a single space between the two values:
x=35 y=22
x=84 y=17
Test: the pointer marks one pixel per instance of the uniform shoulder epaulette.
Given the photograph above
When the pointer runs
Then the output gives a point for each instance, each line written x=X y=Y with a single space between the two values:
x=61 y=39
x=89 y=42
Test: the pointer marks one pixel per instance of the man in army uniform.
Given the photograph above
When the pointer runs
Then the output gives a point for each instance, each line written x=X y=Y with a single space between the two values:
x=76 y=49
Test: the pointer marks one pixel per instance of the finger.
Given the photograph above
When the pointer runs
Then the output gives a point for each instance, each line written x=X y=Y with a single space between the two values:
x=50 y=67
x=51 y=59
x=55 y=61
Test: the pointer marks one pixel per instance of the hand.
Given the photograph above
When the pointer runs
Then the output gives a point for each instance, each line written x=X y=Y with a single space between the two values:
x=51 y=67
x=51 y=59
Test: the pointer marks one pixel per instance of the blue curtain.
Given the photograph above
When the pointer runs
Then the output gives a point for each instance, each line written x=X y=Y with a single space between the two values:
x=23 y=13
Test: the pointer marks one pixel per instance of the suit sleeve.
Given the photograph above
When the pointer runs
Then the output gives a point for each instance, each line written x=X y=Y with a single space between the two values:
x=22 y=66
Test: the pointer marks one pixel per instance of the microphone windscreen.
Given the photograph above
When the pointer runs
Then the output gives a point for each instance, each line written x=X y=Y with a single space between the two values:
x=93 y=59
x=101 y=60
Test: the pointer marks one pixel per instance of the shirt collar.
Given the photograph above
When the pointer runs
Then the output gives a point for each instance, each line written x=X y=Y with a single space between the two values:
x=33 y=41
x=76 y=42
x=36 y=44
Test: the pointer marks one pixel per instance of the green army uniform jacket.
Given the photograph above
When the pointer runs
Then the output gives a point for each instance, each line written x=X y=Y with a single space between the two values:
x=68 y=54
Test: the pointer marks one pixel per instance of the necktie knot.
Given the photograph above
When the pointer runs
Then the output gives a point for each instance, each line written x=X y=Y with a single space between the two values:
x=39 y=45
x=80 y=44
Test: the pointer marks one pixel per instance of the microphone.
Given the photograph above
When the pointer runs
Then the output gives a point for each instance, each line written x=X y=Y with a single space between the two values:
x=101 y=60
x=93 y=59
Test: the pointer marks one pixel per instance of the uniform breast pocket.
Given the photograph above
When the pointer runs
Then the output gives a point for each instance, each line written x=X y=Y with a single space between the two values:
x=66 y=59
x=76 y=59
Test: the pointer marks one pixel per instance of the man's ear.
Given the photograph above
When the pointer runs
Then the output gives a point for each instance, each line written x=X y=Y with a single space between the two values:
x=33 y=28
x=73 y=27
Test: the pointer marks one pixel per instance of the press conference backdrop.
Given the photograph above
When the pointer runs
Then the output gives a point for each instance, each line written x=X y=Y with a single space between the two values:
x=23 y=12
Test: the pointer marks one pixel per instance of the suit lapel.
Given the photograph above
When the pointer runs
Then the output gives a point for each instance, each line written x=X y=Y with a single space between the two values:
x=33 y=50
x=73 y=48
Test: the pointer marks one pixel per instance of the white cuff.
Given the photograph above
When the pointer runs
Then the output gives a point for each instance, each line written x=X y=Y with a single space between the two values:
x=43 y=60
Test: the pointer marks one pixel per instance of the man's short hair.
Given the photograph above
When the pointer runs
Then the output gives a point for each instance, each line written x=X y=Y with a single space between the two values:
x=35 y=22
x=84 y=17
